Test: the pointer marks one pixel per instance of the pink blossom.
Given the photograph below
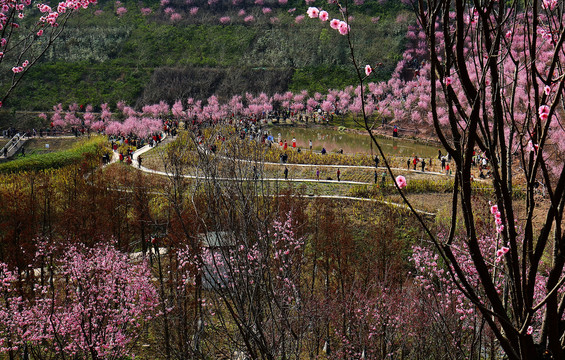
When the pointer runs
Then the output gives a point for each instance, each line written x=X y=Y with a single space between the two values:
x=25 y=63
x=448 y=81
x=283 y=2
x=274 y=20
x=121 y=11
x=334 y=24
x=551 y=5
x=401 y=181
x=42 y=8
x=225 y=19
x=313 y=12
x=193 y=10
x=503 y=250
x=508 y=34
x=175 y=17
x=267 y=10
x=241 y=12
x=544 y=112
x=146 y=11
x=249 y=18
x=290 y=11
x=530 y=329
x=343 y=28
x=324 y=16
x=40 y=32
x=368 y=70
x=299 y=19
x=547 y=90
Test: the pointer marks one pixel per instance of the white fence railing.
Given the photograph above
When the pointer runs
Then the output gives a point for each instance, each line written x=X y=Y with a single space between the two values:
x=12 y=146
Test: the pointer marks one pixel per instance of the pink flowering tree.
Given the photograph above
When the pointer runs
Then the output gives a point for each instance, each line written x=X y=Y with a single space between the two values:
x=253 y=289
x=488 y=107
x=87 y=303
x=492 y=82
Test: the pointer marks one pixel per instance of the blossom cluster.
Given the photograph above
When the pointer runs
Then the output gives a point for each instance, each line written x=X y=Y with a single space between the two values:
x=336 y=24
x=497 y=218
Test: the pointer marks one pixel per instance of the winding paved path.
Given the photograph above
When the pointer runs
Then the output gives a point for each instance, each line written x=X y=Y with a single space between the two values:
x=146 y=148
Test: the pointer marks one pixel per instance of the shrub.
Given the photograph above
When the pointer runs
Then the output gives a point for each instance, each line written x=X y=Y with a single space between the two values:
x=87 y=150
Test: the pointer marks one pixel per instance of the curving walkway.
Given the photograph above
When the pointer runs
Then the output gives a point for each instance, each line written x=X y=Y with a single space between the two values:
x=146 y=148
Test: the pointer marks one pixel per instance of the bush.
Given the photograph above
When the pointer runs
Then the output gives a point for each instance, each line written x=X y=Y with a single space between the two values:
x=88 y=150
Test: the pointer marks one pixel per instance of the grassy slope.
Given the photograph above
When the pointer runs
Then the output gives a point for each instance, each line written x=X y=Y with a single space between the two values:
x=104 y=58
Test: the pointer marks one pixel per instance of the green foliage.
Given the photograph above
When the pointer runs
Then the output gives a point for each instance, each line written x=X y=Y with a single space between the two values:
x=322 y=77
x=156 y=44
x=83 y=83
x=106 y=58
x=36 y=162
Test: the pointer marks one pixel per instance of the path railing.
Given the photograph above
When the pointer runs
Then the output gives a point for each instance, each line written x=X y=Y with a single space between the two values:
x=12 y=146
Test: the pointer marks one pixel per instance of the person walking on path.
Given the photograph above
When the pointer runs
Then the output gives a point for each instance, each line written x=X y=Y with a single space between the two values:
x=139 y=159
x=318 y=174
x=447 y=172
x=376 y=177
x=423 y=165
x=408 y=164
x=285 y=173
x=415 y=161
x=338 y=174
x=443 y=163
x=377 y=161
x=310 y=143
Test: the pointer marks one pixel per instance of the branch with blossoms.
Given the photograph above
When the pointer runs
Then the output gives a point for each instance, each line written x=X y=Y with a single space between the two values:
x=345 y=29
x=22 y=43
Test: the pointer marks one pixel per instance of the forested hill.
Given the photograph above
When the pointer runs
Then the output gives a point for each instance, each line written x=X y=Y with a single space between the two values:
x=144 y=52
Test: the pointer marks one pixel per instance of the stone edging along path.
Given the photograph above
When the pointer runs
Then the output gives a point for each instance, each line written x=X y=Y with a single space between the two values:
x=146 y=148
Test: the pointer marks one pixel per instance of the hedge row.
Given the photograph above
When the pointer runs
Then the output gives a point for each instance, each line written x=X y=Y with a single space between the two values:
x=87 y=150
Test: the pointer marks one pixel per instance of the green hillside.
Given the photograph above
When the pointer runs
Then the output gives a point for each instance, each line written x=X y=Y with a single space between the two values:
x=141 y=59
